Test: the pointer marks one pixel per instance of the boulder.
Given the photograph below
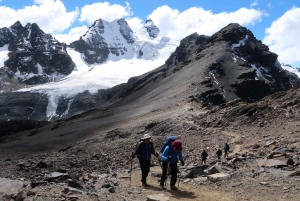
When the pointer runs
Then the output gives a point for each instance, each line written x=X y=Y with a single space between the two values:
x=218 y=177
x=157 y=197
x=57 y=175
x=11 y=189
x=271 y=163
x=197 y=171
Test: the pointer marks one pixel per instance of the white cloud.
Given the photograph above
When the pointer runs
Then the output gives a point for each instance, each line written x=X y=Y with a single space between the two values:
x=73 y=35
x=106 y=11
x=283 y=36
x=178 y=25
x=50 y=15
x=255 y=3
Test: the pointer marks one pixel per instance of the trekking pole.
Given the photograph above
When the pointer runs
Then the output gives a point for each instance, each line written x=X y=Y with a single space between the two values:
x=130 y=172
x=167 y=173
x=178 y=180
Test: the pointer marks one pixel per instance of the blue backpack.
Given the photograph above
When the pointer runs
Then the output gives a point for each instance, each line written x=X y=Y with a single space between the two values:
x=168 y=141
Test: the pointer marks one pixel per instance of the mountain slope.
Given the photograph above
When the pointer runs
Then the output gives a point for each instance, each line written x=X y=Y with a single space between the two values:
x=212 y=70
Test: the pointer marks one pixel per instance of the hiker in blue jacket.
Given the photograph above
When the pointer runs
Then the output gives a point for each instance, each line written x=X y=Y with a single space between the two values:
x=170 y=158
x=144 y=151
x=226 y=150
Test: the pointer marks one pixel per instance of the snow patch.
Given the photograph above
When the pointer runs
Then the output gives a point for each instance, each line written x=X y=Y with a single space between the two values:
x=3 y=55
x=240 y=43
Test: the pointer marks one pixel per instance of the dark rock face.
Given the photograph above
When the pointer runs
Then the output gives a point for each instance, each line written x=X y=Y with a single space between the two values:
x=243 y=67
x=94 y=45
x=183 y=53
x=35 y=57
x=23 y=106
x=152 y=30
x=126 y=31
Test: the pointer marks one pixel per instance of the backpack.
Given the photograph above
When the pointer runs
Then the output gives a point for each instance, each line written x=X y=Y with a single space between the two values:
x=167 y=142
x=226 y=147
x=137 y=144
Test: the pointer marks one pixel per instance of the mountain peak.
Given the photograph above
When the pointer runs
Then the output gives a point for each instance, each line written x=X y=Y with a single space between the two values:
x=16 y=25
x=152 y=30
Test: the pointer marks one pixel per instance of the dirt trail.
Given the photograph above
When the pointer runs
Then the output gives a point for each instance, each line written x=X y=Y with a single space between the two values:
x=186 y=191
x=237 y=147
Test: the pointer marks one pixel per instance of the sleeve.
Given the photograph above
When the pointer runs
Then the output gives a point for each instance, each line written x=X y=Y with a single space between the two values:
x=152 y=150
x=165 y=153
x=180 y=155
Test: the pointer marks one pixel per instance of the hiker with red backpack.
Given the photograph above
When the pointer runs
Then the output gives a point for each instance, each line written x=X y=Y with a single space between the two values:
x=172 y=150
x=143 y=151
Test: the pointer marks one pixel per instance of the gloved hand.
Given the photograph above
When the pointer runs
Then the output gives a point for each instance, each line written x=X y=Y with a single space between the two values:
x=132 y=154
x=182 y=163
x=169 y=158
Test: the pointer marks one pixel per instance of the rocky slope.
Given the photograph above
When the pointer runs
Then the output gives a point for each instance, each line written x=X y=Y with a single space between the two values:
x=264 y=154
x=34 y=57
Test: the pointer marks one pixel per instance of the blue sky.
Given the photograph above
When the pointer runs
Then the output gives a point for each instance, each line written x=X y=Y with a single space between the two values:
x=275 y=22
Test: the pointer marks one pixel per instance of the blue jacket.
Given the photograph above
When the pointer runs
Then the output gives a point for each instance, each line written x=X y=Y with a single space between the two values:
x=169 y=151
x=144 y=151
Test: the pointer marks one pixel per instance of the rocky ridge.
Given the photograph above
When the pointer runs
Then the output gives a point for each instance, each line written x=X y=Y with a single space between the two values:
x=34 y=57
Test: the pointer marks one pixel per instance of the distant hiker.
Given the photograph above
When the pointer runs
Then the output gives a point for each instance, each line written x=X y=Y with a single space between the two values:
x=143 y=151
x=170 y=158
x=226 y=149
x=204 y=156
x=219 y=154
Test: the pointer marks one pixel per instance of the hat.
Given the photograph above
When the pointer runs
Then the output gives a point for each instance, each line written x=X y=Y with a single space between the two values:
x=177 y=144
x=147 y=136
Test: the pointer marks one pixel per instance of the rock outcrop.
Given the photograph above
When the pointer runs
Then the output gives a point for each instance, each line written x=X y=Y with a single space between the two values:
x=34 y=57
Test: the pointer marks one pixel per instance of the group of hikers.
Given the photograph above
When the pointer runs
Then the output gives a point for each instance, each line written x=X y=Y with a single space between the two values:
x=171 y=151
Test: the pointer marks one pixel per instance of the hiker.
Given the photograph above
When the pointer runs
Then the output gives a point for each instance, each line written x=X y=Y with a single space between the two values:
x=226 y=149
x=204 y=156
x=219 y=153
x=144 y=150
x=170 y=158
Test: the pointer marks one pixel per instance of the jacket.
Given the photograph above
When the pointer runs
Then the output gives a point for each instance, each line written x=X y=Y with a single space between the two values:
x=144 y=151
x=169 y=151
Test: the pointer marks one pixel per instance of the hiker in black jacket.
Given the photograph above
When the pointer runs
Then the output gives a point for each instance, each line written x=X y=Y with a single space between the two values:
x=219 y=153
x=204 y=156
x=144 y=151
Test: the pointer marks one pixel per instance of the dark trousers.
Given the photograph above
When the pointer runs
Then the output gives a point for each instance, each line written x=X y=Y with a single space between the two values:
x=226 y=153
x=203 y=159
x=145 y=167
x=165 y=171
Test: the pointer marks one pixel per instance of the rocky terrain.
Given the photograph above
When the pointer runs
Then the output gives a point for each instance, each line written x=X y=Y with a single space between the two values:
x=212 y=90
x=262 y=164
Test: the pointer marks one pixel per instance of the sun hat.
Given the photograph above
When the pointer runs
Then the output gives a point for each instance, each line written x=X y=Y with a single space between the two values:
x=177 y=144
x=147 y=136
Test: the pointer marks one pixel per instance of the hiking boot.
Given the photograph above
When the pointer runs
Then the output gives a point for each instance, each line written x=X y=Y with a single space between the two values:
x=174 y=188
x=162 y=187
x=144 y=184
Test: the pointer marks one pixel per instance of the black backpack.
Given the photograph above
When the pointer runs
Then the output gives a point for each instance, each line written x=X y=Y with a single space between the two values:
x=137 y=144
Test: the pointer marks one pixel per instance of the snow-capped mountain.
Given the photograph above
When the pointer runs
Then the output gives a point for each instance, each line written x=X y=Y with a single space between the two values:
x=113 y=41
x=107 y=55
x=33 y=57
